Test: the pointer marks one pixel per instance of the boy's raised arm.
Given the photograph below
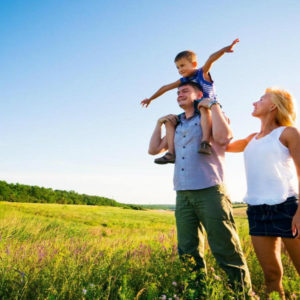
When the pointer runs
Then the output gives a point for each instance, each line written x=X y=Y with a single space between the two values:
x=146 y=102
x=215 y=56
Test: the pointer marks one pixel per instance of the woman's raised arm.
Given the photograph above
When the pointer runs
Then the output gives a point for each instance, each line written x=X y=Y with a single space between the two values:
x=239 y=145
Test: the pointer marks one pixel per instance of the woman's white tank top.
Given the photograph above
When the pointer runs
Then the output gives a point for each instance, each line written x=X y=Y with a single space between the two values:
x=270 y=172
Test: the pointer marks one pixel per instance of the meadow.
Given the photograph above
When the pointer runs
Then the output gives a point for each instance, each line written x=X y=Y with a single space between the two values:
x=54 y=251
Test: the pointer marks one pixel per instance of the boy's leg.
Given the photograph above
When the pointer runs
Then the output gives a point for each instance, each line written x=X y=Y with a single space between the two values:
x=216 y=214
x=206 y=125
x=170 y=133
x=169 y=157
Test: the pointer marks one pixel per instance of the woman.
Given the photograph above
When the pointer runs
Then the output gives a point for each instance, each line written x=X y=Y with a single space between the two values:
x=272 y=185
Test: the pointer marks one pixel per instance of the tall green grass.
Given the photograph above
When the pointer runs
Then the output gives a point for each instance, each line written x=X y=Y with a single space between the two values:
x=51 y=251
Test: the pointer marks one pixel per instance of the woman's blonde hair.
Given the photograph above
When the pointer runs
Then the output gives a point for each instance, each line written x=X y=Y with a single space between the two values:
x=284 y=101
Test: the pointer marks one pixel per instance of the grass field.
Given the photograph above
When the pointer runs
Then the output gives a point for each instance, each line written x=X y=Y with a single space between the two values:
x=51 y=251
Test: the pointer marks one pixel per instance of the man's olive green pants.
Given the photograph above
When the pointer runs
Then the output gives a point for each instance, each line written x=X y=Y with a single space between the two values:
x=210 y=209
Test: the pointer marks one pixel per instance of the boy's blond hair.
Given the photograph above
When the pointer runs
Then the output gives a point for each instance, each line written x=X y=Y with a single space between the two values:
x=284 y=101
x=187 y=54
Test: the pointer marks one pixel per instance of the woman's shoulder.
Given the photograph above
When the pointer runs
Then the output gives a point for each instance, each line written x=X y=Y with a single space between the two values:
x=290 y=133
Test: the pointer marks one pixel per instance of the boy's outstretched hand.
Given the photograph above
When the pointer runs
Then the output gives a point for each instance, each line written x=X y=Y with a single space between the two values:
x=146 y=102
x=230 y=47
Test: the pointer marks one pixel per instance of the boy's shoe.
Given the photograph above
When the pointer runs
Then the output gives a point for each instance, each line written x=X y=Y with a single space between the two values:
x=205 y=148
x=168 y=158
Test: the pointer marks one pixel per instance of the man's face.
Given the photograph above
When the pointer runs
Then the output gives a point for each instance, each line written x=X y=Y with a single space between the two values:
x=186 y=96
x=185 y=67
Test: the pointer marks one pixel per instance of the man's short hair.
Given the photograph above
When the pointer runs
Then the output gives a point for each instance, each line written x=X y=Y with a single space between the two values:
x=197 y=87
x=187 y=54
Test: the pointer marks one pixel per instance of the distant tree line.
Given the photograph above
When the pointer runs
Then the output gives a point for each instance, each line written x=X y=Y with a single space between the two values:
x=159 y=206
x=35 y=194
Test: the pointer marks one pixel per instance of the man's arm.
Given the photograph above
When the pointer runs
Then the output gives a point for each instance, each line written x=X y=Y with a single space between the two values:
x=221 y=131
x=157 y=143
x=215 y=56
x=146 y=102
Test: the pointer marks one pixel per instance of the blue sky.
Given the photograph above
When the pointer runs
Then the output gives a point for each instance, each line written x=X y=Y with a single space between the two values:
x=72 y=75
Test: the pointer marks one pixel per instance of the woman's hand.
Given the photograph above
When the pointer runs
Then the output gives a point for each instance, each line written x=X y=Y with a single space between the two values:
x=296 y=225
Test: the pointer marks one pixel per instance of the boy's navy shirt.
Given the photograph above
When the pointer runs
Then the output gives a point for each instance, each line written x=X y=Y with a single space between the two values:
x=208 y=88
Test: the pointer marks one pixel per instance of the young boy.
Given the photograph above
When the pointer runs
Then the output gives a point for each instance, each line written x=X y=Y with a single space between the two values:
x=186 y=63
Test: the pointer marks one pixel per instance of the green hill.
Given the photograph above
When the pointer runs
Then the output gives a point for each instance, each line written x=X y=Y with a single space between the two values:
x=35 y=194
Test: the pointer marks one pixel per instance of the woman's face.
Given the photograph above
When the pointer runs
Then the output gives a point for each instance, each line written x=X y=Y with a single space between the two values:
x=263 y=106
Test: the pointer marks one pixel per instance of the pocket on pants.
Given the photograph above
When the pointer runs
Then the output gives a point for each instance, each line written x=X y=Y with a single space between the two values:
x=218 y=204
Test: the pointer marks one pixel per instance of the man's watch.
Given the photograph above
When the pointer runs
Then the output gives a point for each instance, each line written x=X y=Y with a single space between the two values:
x=213 y=102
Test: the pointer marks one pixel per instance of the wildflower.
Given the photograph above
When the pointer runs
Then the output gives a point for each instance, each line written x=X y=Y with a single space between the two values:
x=21 y=273
x=163 y=297
x=252 y=293
x=294 y=296
x=217 y=277
x=92 y=285
x=176 y=297
x=174 y=283
x=84 y=291
x=161 y=238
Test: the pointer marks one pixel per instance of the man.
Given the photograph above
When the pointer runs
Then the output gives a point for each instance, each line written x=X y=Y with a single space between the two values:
x=201 y=199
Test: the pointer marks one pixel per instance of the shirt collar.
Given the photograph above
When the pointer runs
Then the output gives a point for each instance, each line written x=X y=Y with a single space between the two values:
x=183 y=118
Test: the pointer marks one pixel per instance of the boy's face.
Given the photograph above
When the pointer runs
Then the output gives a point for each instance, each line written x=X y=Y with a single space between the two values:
x=185 y=67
